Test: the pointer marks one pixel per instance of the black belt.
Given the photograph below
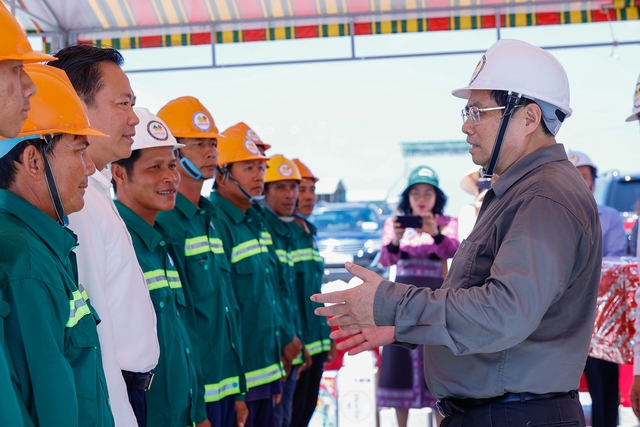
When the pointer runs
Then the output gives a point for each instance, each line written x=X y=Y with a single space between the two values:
x=138 y=380
x=450 y=405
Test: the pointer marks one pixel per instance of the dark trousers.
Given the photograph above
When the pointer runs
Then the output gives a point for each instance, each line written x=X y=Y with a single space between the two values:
x=564 y=411
x=282 y=410
x=260 y=413
x=305 y=397
x=223 y=412
x=602 y=378
x=138 y=401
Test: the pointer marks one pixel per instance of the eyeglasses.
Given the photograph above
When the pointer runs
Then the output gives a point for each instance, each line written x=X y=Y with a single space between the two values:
x=474 y=113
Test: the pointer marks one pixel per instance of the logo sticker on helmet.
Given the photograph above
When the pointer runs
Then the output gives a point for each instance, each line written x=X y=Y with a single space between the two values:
x=252 y=135
x=251 y=147
x=201 y=121
x=636 y=98
x=157 y=130
x=479 y=68
x=285 y=170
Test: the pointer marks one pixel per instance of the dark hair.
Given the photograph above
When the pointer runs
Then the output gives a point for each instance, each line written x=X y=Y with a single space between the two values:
x=500 y=97
x=8 y=161
x=127 y=164
x=81 y=62
x=405 y=207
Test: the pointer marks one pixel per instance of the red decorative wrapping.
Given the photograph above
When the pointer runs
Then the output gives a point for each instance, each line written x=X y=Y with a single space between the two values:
x=612 y=338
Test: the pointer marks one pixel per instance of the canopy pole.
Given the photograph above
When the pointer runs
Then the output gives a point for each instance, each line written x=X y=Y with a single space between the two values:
x=213 y=45
x=352 y=36
x=498 y=24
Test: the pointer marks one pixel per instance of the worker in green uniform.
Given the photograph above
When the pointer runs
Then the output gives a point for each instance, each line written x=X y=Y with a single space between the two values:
x=16 y=88
x=281 y=181
x=309 y=268
x=239 y=220
x=145 y=184
x=50 y=328
x=216 y=326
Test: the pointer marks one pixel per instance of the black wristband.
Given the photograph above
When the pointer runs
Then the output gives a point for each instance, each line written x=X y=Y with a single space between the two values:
x=439 y=238
x=393 y=249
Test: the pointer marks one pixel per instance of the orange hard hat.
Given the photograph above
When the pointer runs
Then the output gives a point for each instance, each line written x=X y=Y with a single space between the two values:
x=248 y=133
x=14 y=44
x=279 y=168
x=56 y=107
x=305 y=172
x=186 y=117
x=236 y=147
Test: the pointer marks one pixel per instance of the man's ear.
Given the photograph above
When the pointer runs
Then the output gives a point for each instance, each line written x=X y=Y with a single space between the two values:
x=118 y=173
x=532 y=115
x=32 y=162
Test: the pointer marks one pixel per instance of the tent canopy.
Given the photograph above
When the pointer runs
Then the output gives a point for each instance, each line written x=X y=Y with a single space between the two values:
x=126 y=24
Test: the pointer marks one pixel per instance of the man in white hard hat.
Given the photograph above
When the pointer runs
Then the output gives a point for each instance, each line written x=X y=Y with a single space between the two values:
x=635 y=388
x=602 y=375
x=507 y=335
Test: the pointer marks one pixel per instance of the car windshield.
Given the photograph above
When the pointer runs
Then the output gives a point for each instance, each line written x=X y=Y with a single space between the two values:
x=343 y=219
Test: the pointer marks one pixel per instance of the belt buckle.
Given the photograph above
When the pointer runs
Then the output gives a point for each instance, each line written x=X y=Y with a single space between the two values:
x=446 y=408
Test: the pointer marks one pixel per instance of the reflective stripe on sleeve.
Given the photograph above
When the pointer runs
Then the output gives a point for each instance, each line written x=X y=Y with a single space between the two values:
x=196 y=245
x=155 y=279
x=78 y=308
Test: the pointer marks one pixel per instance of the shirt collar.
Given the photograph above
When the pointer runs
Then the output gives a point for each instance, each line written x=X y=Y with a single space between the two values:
x=103 y=177
x=186 y=207
x=279 y=227
x=59 y=239
x=549 y=154
x=229 y=208
x=149 y=235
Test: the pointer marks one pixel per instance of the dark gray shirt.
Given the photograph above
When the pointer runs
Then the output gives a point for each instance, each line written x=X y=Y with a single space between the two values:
x=516 y=311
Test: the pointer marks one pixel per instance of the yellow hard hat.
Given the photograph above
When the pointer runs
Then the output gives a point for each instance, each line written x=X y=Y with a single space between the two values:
x=14 y=44
x=248 y=133
x=186 y=117
x=305 y=172
x=236 y=147
x=279 y=168
x=55 y=108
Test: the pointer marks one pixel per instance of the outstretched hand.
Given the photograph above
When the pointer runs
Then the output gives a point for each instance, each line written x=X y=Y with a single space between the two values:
x=353 y=307
x=359 y=340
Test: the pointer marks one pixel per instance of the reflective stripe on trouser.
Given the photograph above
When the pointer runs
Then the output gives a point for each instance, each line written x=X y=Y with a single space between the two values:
x=246 y=249
x=156 y=279
x=78 y=307
x=264 y=376
x=226 y=387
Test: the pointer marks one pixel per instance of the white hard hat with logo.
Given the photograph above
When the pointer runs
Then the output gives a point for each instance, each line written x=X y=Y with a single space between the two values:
x=636 y=103
x=152 y=132
x=578 y=158
x=517 y=66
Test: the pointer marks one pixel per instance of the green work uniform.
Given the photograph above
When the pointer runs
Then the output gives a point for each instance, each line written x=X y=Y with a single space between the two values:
x=309 y=267
x=51 y=329
x=215 y=325
x=284 y=277
x=172 y=399
x=245 y=245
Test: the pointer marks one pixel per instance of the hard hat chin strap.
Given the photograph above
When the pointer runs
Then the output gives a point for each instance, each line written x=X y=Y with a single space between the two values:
x=484 y=182
x=226 y=174
x=51 y=182
x=189 y=167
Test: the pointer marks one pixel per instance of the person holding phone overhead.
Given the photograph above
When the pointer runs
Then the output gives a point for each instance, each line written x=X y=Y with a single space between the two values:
x=418 y=242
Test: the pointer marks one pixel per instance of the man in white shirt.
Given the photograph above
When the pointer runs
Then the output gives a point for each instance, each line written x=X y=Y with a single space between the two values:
x=107 y=264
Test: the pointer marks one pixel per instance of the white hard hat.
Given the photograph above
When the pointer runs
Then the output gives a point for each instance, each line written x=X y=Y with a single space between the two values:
x=578 y=158
x=469 y=182
x=152 y=132
x=636 y=103
x=517 y=66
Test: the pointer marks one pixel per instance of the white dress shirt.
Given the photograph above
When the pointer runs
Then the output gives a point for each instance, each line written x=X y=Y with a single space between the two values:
x=109 y=271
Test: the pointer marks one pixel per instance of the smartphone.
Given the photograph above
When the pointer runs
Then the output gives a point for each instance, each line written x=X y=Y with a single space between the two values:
x=410 y=221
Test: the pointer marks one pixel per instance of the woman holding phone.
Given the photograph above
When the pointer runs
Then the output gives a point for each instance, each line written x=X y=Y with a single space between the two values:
x=418 y=242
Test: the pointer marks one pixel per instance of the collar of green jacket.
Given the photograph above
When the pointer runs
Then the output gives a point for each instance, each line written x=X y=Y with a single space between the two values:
x=254 y=213
x=282 y=229
x=148 y=234
x=59 y=239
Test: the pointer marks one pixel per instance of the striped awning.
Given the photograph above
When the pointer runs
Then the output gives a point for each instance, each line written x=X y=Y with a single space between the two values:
x=127 y=24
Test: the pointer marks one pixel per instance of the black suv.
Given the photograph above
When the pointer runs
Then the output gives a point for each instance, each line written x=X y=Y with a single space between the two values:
x=622 y=192
x=348 y=232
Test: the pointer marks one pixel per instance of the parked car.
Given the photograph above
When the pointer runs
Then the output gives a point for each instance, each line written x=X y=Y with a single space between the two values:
x=348 y=232
x=622 y=192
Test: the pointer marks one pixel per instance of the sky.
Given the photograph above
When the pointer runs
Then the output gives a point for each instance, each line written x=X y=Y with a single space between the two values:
x=348 y=118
